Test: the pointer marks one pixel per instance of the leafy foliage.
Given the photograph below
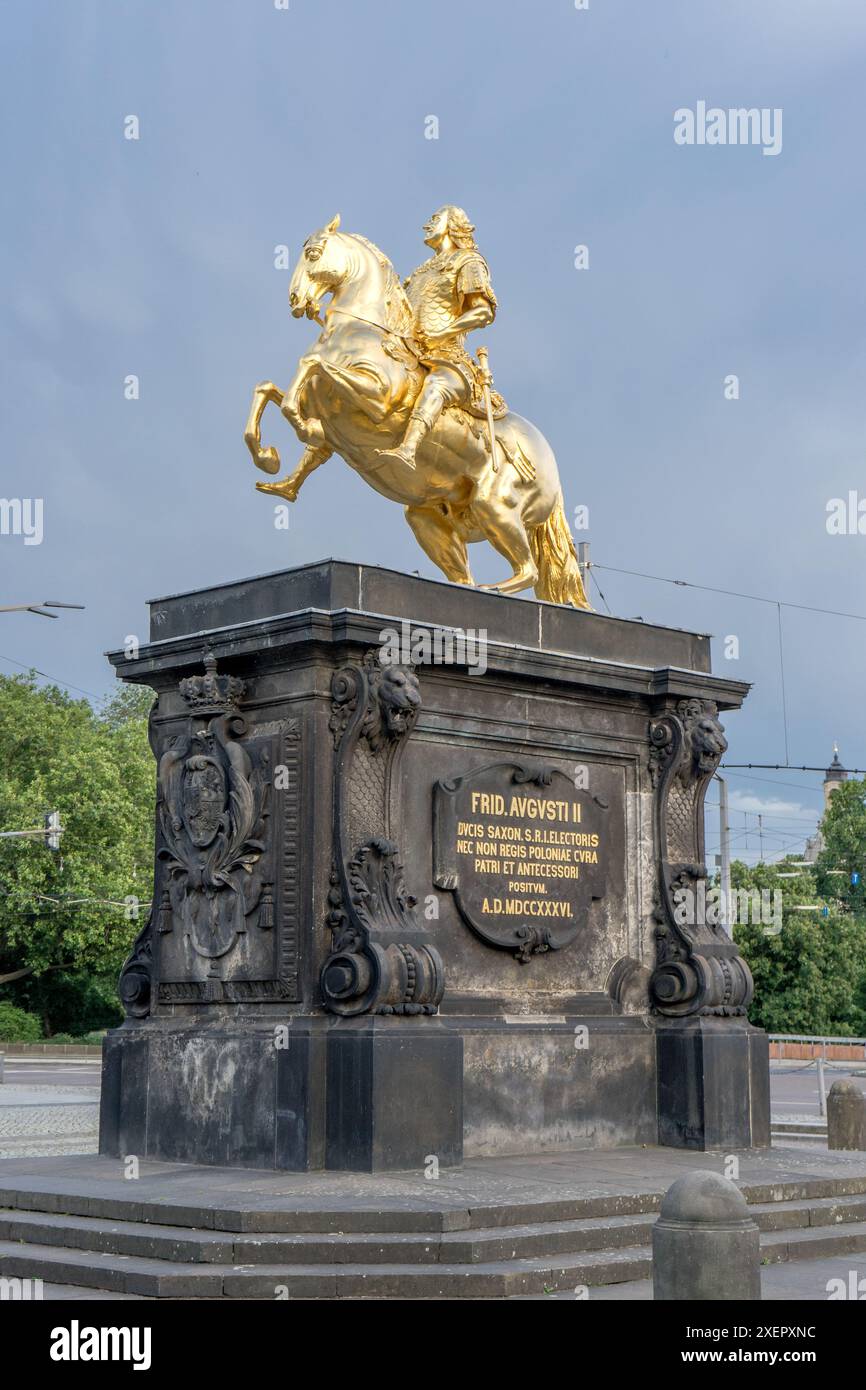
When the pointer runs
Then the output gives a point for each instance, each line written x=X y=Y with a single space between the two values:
x=844 y=832
x=72 y=915
x=811 y=976
x=16 y=1025
x=71 y=1003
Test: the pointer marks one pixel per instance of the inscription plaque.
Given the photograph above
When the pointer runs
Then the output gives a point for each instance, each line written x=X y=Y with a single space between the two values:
x=523 y=851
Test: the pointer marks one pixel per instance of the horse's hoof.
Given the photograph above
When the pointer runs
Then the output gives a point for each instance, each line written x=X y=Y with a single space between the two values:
x=515 y=585
x=268 y=460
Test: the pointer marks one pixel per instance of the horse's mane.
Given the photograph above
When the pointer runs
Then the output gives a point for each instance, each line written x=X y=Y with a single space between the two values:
x=400 y=318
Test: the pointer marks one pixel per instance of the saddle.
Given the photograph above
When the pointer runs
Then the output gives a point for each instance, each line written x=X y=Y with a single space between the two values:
x=411 y=354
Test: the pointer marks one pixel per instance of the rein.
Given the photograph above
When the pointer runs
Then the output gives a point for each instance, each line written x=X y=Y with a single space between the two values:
x=360 y=319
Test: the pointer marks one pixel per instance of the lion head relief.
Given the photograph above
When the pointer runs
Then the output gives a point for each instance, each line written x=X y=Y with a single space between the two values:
x=704 y=742
x=396 y=699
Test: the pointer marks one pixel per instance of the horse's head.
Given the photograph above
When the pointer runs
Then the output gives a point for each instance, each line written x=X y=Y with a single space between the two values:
x=322 y=267
x=343 y=264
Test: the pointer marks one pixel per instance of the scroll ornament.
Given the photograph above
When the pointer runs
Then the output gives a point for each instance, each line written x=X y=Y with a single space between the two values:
x=699 y=969
x=381 y=958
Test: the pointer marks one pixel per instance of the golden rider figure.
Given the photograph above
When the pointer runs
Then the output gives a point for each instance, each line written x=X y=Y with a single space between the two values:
x=450 y=295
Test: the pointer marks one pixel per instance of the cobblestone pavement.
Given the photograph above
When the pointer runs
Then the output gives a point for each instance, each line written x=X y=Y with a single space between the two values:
x=37 y=1094
x=47 y=1120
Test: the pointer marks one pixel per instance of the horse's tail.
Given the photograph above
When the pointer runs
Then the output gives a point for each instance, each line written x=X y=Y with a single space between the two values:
x=559 y=577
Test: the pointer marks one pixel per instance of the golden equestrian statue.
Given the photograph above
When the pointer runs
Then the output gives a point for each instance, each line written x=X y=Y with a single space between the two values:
x=389 y=386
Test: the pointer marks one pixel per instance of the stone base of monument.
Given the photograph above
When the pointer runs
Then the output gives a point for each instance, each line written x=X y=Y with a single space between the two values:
x=369 y=1094
x=495 y=1228
x=714 y=1084
x=430 y=883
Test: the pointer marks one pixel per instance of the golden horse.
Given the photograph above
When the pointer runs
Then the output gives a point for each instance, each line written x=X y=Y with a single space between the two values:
x=352 y=395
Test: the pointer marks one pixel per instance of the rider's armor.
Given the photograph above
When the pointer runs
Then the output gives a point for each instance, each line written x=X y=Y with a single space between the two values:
x=436 y=291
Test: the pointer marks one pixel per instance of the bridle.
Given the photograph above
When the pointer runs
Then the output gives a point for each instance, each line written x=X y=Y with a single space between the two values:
x=359 y=318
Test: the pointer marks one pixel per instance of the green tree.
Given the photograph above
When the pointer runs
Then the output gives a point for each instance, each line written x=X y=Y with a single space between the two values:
x=71 y=913
x=810 y=977
x=843 y=829
x=16 y=1025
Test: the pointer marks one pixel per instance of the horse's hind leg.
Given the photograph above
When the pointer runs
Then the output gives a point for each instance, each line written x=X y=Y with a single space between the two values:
x=503 y=527
x=435 y=533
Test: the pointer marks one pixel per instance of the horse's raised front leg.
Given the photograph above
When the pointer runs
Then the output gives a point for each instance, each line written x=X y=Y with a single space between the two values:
x=266 y=459
x=291 y=486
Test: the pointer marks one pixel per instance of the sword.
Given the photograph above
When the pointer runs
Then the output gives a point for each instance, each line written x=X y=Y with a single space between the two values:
x=486 y=383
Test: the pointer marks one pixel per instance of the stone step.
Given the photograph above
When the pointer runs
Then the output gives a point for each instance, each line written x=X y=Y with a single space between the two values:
x=194 y=1246
x=200 y=1265
x=387 y=1216
x=787 y=1136
x=123 y=1238
x=156 y=1241
x=814 y=1243
x=390 y=1217
x=792 y=1127
x=817 y=1212
x=491 y=1279
x=158 y=1279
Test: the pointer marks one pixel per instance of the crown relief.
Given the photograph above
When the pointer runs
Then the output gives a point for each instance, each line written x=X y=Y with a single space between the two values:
x=212 y=693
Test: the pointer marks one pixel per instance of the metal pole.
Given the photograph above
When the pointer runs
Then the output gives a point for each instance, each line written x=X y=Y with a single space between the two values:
x=725 y=856
x=18 y=834
x=584 y=562
x=822 y=1090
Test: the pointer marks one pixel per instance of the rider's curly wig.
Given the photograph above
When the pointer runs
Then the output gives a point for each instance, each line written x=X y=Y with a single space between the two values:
x=460 y=229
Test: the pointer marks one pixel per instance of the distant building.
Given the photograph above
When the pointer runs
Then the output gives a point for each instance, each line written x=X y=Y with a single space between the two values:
x=835 y=775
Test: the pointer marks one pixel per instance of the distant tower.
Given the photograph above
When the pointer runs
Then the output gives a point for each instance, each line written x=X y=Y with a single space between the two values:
x=835 y=775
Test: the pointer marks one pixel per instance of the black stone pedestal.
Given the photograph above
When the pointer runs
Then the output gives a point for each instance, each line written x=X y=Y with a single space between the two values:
x=365 y=1095
x=394 y=1095
x=713 y=1084
x=430 y=880
x=227 y=1092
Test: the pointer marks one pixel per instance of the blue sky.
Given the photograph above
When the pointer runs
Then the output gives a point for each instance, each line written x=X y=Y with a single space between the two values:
x=155 y=257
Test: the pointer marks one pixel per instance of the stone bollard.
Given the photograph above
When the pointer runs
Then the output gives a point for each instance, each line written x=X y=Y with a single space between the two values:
x=846 y=1116
x=705 y=1245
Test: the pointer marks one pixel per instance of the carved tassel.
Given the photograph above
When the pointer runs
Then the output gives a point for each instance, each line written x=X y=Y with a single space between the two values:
x=266 y=910
x=164 y=912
